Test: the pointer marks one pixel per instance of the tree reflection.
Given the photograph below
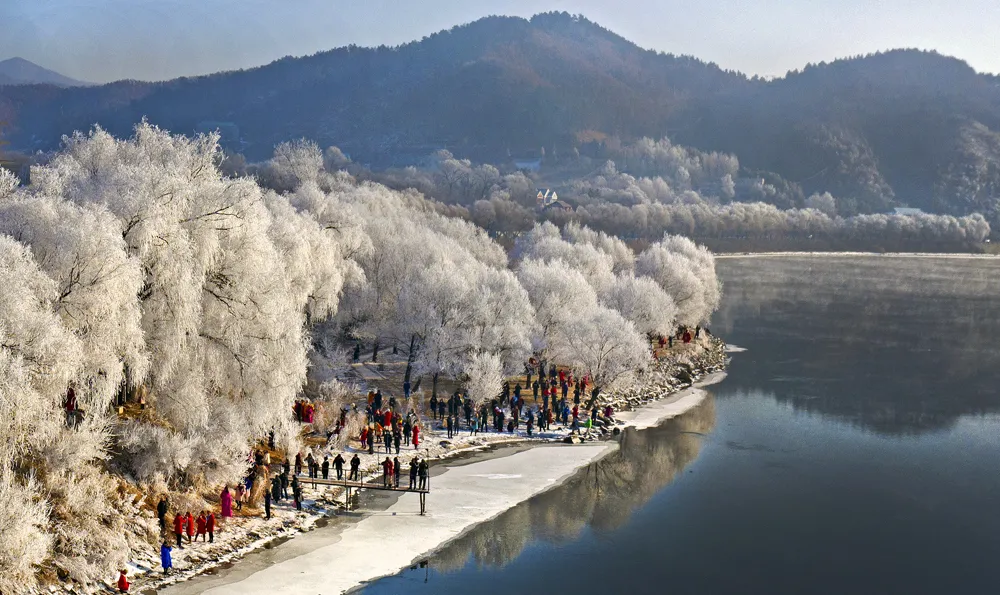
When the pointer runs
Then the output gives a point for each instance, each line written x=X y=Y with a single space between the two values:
x=603 y=495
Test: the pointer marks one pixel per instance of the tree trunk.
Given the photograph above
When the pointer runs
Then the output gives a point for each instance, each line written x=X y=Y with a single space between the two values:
x=410 y=357
x=375 y=351
x=434 y=389
x=594 y=395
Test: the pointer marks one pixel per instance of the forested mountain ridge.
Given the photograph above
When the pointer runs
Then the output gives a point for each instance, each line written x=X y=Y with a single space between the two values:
x=903 y=127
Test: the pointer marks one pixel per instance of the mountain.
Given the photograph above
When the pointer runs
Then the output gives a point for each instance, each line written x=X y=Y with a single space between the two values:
x=904 y=127
x=18 y=71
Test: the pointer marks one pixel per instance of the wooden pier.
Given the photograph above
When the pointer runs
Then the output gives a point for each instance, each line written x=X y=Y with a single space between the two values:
x=376 y=484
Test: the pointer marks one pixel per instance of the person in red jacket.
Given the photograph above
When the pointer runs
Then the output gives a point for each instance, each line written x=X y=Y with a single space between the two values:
x=416 y=436
x=210 y=527
x=189 y=525
x=387 y=418
x=201 y=523
x=179 y=529
x=122 y=582
x=387 y=475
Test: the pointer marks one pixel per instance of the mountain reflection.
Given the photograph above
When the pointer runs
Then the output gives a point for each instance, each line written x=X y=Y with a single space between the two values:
x=602 y=496
x=895 y=345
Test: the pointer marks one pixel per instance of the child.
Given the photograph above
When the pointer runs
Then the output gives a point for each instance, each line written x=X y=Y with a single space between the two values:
x=165 y=559
x=123 y=582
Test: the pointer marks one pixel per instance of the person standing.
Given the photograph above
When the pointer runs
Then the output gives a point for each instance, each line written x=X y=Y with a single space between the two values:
x=226 y=503
x=449 y=426
x=355 y=466
x=474 y=426
x=416 y=436
x=70 y=405
x=434 y=406
x=210 y=526
x=161 y=512
x=413 y=472
x=387 y=435
x=338 y=464
x=326 y=467
x=267 y=505
x=387 y=472
x=407 y=429
x=165 y=559
x=276 y=488
x=189 y=525
x=297 y=492
x=396 y=439
x=179 y=529
x=298 y=463
x=396 y=471
x=201 y=523
x=284 y=486
x=122 y=581
x=422 y=473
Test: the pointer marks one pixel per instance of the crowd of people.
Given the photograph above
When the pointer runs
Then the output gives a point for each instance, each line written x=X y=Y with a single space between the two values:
x=556 y=397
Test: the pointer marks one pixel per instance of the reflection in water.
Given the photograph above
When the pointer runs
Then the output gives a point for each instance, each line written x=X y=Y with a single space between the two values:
x=854 y=337
x=603 y=495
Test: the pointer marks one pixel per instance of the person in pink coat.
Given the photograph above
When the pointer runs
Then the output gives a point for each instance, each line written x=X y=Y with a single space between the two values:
x=226 y=499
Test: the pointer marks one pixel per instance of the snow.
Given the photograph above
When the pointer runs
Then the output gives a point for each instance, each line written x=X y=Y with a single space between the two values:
x=734 y=349
x=462 y=497
x=383 y=543
x=659 y=411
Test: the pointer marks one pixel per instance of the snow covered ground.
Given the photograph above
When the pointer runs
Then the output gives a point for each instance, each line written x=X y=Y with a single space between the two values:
x=383 y=543
x=463 y=496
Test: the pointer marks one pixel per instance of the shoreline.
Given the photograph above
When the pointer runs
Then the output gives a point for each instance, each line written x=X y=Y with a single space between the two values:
x=663 y=396
x=386 y=542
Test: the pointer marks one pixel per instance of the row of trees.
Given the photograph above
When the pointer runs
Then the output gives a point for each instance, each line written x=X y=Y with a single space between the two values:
x=137 y=267
x=654 y=187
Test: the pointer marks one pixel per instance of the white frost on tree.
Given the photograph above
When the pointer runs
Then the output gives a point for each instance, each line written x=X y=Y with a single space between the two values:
x=642 y=302
x=686 y=272
x=485 y=376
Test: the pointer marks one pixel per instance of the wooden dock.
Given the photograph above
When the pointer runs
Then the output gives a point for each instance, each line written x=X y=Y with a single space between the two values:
x=376 y=484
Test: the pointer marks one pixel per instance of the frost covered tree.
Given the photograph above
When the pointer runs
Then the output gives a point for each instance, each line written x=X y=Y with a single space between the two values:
x=485 y=376
x=606 y=347
x=545 y=243
x=686 y=272
x=560 y=295
x=641 y=301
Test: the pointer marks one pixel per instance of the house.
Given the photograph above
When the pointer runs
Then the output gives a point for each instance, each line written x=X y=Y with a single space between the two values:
x=545 y=197
x=558 y=205
x=907 y=211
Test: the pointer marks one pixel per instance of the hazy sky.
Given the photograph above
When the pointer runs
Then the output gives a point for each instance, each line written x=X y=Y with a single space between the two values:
x=102 y=40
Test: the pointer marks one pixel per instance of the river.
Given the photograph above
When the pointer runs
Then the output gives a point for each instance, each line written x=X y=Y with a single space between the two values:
x=853 y=448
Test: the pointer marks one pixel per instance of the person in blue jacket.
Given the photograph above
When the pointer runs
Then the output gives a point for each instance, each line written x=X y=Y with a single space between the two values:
x=165 y=560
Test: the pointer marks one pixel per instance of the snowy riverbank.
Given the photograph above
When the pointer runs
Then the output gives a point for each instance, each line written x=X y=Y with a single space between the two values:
x=384 y=542
x=468 y=499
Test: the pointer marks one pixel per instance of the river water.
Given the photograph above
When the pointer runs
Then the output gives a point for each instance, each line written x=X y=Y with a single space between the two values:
x=853 y=448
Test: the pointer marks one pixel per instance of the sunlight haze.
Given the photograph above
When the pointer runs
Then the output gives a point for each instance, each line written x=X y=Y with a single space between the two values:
x=104 y=40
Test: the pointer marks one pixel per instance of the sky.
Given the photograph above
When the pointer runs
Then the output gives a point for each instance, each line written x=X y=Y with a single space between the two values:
x=103 y=40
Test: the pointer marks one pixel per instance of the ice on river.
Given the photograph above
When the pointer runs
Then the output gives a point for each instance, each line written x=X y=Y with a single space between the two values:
x=385 y=542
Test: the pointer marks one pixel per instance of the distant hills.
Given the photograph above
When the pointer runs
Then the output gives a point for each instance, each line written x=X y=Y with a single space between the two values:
x=904 y=127
x=18 y=71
